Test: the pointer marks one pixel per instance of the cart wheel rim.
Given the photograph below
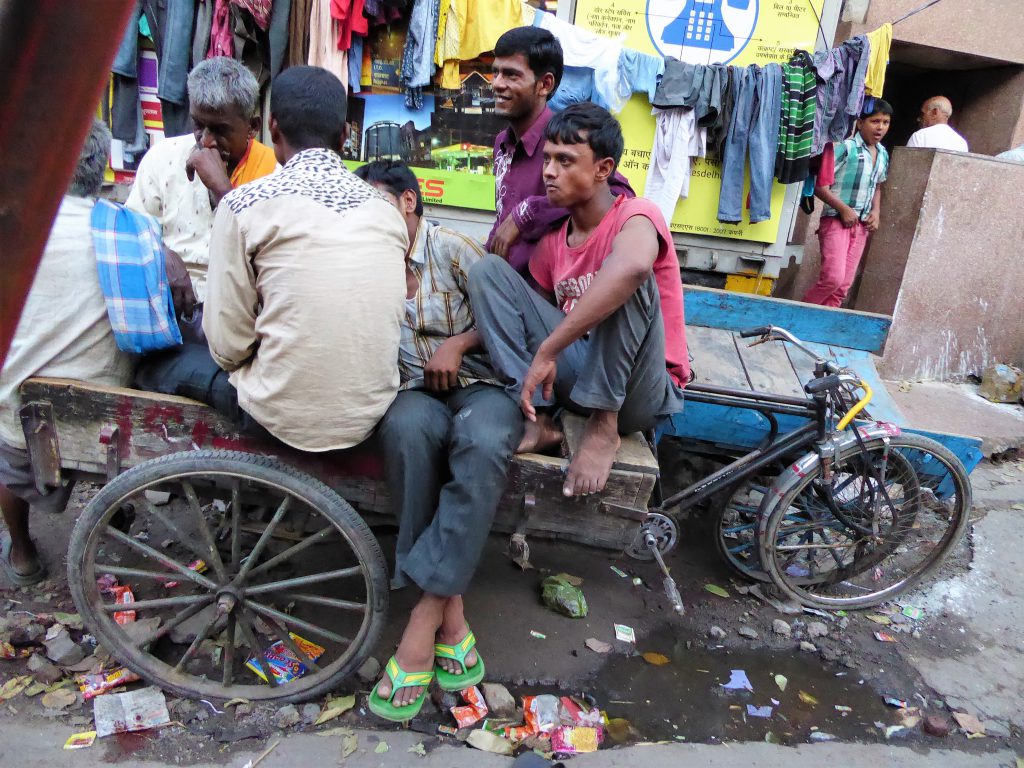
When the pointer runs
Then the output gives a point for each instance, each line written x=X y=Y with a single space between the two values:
x=258 y=608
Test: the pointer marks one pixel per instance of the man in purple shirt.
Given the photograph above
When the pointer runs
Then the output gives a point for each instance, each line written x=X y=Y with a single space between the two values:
x=527 y=70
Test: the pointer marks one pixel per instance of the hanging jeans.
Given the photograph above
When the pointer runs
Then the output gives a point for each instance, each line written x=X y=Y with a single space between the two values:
x=753 y=130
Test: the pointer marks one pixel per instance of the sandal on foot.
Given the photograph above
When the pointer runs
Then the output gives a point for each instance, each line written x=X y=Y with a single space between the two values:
x=400 y=679
x=470 y=675
x=20 y=579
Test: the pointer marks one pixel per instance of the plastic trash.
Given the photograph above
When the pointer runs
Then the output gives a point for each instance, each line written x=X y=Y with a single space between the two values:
x=562 y=596
x=80 y=740
x=624 y=634
x=884 y=637
x=738 y=681
x=782 y=681
x=92 y=686
x=753 y=711
x=284 y=665
x=572 y=740
x=656 y=659
x=133 y=711
x=598 y=646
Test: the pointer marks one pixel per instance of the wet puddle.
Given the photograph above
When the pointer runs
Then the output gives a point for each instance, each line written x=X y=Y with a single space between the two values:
x=685 y=699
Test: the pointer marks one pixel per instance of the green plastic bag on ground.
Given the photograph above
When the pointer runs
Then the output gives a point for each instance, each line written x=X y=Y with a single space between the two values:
x=562 y=596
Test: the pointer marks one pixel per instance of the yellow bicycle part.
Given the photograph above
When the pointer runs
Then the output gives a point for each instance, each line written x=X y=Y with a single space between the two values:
x=857 y=408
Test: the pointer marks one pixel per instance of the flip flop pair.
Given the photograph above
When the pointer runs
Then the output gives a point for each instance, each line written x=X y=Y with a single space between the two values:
x=383 y=707
x=20 y=579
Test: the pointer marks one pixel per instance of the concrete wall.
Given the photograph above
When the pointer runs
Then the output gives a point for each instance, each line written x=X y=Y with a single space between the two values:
x=948 y=264
x=992 y=29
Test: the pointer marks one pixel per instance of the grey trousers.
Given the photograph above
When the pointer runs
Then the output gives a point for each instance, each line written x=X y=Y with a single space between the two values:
x=447 y=459
x=619 y=366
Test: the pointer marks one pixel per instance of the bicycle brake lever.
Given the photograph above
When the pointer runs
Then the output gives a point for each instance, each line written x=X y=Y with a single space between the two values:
x=762 y=340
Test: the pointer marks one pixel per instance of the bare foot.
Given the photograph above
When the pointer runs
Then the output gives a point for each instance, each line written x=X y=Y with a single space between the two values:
x=416 y=650
x=590 y=467
x=540 y=435
x=452 y=632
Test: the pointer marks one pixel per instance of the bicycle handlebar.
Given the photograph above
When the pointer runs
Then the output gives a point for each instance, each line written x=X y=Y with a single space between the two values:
x=762 y=330
x=775 y=333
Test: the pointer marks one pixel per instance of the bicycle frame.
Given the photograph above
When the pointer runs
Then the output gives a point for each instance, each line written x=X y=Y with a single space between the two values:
x=816 y=431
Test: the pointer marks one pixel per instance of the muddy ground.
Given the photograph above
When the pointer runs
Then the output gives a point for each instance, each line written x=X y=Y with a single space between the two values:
x=835 y=684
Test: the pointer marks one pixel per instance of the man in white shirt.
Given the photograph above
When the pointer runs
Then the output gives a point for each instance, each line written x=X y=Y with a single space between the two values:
x=1016 y=154
x=63 y=332
x=935 y=132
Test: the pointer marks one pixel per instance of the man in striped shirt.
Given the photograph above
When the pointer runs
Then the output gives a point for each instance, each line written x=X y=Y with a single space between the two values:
x=852 y=206
x=447 y=441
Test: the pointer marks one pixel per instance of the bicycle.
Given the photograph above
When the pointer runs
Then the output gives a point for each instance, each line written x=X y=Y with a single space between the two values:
x=858 y=513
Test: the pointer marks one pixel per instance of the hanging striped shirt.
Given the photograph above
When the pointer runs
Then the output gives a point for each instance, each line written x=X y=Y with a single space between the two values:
x=796 y=129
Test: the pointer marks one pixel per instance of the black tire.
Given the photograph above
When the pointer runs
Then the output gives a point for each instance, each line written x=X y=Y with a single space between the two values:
x=905 y=484
x=258 y=477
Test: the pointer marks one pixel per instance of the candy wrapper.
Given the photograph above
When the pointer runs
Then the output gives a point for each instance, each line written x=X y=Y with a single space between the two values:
x=572 y=740
x=199 y=566
x=540 y=713
x=282 y=662
x=123 y=596
x=573 y=713
x=92 y=686
x=474 y=711
x=8 y=651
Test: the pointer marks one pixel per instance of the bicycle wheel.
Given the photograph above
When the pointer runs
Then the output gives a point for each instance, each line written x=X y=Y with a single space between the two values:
x=735 y=528
x=889 y=514
x=244 y=578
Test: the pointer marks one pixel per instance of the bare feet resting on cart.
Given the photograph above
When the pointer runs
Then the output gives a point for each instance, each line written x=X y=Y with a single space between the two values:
x=540 y=435
x=600 y=330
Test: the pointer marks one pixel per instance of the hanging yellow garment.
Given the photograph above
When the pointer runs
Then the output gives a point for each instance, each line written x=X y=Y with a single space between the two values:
x=479 y=24
x=442 y=26
x=881 y=42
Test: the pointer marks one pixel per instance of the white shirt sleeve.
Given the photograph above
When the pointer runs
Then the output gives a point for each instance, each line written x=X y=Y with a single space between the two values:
x=916 y=140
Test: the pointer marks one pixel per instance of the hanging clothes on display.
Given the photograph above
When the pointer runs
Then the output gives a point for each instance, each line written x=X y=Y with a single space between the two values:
x=841 y=72
x=880 y=42
x=418 y=56
x=753 y=131
x=640 y=72
x=171 y=27
x=479 y=25
x=323 y=41
x=796 y=131
x=350 y=18
x=582 y=48
x=222 y=38
x=677 y=139
x=576 y=86
x=277 y=33
x=822 y=172
x=298 y=32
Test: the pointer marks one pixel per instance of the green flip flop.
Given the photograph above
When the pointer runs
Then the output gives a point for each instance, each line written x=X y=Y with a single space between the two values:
x=470 y=675
x=400 y=679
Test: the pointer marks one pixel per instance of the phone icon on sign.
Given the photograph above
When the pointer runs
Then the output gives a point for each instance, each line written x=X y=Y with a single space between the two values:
x=701 y=25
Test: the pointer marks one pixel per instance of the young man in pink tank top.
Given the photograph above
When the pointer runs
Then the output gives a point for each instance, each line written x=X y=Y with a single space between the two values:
x=604 y=334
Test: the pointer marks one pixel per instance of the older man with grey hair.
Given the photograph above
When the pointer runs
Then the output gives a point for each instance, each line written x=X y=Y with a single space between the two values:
x=935 y=132
x=63 y=332
x=180 y=182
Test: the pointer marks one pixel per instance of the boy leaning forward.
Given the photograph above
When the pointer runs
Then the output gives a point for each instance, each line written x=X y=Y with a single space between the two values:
x=603 y=335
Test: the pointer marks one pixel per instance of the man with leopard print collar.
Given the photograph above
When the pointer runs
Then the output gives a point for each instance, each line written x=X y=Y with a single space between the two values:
x=306 y=283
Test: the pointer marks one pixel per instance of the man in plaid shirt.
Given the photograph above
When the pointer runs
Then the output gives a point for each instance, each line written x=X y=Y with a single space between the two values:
x=852 y=205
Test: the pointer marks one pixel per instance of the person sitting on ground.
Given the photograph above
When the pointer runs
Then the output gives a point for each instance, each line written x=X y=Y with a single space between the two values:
x=63 y=332
x=935 y=131
x=447 y=442
x=180 y=182
x=306 y=295
x=607 y=338
x=852 y=206
x=527 y=69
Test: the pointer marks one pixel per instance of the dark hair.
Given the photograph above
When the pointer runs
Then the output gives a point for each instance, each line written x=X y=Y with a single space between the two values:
x=588 y=123
x=396 y=176
x=310 y=106
x=880 y=107
x=542 y=50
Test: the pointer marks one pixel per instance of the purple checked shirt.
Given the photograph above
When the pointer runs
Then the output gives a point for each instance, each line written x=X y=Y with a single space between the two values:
x=519 y=190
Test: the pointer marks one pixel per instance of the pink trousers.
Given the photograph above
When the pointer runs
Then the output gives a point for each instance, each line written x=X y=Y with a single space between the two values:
x=841 y=249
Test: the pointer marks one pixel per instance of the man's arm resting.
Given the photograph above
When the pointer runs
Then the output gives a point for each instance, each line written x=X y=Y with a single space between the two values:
x=634 y=252
x=229 y=315
x=535 y=216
